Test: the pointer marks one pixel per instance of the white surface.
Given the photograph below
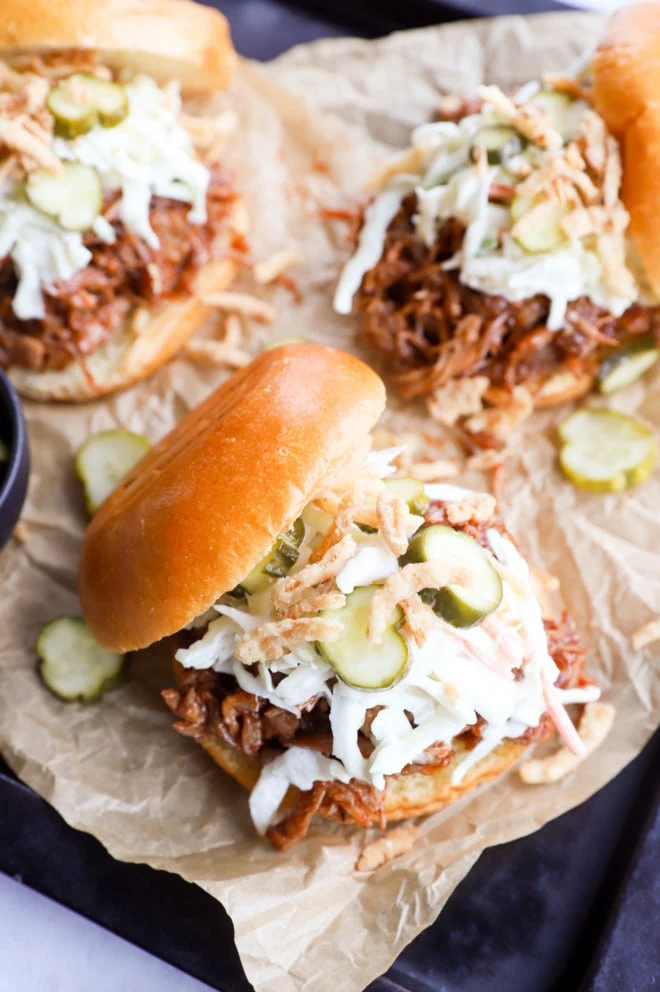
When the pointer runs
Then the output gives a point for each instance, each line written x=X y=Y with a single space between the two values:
x=605 y=5
x=46 y=948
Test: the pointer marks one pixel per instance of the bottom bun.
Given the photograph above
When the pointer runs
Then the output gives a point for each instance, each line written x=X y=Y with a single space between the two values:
x=562 y=387
x=407 y=794
x=150 y=338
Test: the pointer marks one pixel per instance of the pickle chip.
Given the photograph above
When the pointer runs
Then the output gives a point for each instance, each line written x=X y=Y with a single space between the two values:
x=356 y=660
x=461 y=606
x=104 y=460
x=545 y=233
x=72 y=664
x=412 y=491
x=73 y=197
x=278 y=562
x=625 y=365
x=81 y=101
x=604 y=451
x=565 y=111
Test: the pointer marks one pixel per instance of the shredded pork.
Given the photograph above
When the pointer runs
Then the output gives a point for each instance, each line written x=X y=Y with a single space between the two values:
x=438 y=335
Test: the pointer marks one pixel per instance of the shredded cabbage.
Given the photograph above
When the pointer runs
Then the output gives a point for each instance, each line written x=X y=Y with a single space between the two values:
x=298 y=766
x=457 y=676
x=149 y=153
x=448 y=183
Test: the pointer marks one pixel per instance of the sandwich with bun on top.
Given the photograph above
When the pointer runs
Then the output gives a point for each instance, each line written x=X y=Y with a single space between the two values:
x=115 y=212
x=348 y=644
x=494 y=265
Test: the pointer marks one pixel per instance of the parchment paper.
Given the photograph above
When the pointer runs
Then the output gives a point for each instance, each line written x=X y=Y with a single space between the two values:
x=306 y=920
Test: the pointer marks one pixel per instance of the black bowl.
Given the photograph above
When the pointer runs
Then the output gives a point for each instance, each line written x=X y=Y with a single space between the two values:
x=14 y=473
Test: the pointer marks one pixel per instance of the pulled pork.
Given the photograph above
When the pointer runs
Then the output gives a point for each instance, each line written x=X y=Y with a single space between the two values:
x=211 y=706
x=92 y=307
x=431 y=328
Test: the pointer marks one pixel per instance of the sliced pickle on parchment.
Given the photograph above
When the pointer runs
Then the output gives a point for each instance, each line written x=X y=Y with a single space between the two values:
x=72 y=664
x=103 y=461
x=604 y=451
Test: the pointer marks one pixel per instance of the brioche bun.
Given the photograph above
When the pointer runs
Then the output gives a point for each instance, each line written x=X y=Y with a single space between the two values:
x=167 y=39
x=150 y=338
x=626 y=86
x=205 y=505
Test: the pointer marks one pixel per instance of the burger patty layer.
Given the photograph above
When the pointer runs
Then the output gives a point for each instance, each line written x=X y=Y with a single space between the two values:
x=431 y=328
x=92 y=307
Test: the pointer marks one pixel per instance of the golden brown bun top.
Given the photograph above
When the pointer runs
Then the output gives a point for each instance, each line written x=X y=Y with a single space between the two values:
x=168 y=39
x=626 y=66
x=205 y=505
x=626 y=87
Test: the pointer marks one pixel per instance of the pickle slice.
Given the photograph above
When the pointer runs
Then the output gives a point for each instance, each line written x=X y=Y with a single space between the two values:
x=278 y=562
x=546 y=233
x=412 y=491
x=355 y=659
x=81 y=101
x=72 y=197
x=564 y=110
x=627 y=364
x=72 y=664
x=604 y=451
x=104 y=460
x=500 y=142
x=461 y=606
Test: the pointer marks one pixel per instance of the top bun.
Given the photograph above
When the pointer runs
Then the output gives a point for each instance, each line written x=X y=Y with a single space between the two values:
x=626 y=88
x=205 y=505
x=167 y=39
x=626 y=66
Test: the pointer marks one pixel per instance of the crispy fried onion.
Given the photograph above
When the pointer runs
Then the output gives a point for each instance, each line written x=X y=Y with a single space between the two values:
x=478 y=509
x=404 y=584
x=323 y=597
x=270 y=640
x=595 y=725
x=457 y=398
x=26 y=126
x=396 y=842
x=647 y=634
x=532 y=122
x=395 y=521
x=500 y=421
x=292 y=589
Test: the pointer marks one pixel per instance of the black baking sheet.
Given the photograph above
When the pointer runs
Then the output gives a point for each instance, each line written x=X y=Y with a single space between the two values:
x=556 y=911
x=573 y=906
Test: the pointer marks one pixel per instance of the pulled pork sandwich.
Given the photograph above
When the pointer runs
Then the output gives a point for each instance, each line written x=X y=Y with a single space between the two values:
x=114 y=211
x=494 y=251
x=354 y=645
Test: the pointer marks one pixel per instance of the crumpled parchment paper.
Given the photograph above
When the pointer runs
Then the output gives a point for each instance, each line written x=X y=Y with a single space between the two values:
x=306 y=920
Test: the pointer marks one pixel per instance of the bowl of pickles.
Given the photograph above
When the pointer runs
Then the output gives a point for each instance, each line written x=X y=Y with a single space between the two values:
x=14 y=459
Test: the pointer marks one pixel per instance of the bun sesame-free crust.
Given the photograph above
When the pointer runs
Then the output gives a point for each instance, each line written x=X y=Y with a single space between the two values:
x=626 y=88
x=206 y=504
x=167 y=39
